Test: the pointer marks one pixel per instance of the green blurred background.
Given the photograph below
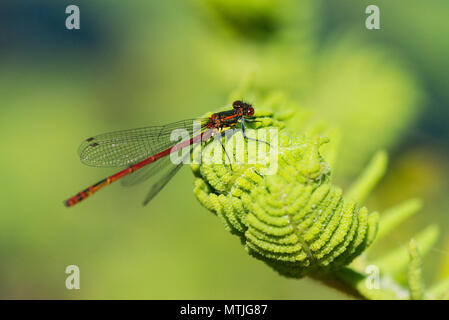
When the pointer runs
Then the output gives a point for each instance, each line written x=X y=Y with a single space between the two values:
x=139 y=63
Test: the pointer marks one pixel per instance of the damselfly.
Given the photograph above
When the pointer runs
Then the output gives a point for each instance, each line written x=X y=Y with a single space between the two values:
x=145 y=151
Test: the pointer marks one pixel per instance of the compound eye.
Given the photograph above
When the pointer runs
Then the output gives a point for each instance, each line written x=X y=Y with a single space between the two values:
x=249 y=111
x=237 y=104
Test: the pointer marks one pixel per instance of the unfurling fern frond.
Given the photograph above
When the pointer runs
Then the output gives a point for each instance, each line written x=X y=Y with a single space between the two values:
x=295 y=220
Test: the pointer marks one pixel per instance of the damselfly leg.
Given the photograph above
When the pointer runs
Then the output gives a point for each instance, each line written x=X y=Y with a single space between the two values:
x=242 y=123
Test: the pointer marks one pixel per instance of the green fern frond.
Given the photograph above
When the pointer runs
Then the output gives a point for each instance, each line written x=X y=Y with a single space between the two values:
x=393 y=217
x=396 y=261
x=360 y=190
x=299 y=222
x=415 y=280
x=296 y=220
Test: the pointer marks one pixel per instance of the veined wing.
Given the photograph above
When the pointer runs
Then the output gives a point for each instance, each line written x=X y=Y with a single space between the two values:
x=153 y=169
x=161 y=182
x=126 y=147
x=146 y=172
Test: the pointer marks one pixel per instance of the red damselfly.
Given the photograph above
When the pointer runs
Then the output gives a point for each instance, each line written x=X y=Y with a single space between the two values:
x=145 y=151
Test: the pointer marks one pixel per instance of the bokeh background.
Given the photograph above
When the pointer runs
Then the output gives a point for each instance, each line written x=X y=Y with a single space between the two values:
x=137 y=63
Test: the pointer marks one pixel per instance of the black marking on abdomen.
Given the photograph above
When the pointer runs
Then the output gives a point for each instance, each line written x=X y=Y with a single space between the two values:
x=100 y=182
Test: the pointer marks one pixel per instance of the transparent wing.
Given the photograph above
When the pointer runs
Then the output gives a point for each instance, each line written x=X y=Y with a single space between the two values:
x=154 y=169
x=126 y=147
x=161 y=182
x=146 y=172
